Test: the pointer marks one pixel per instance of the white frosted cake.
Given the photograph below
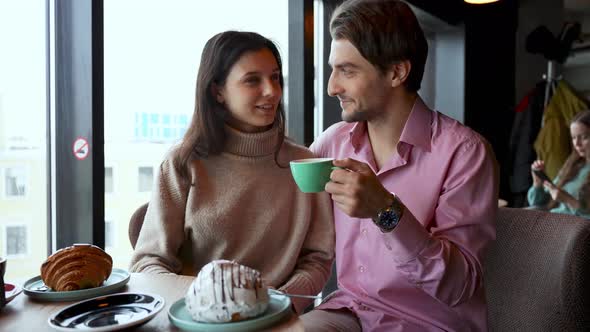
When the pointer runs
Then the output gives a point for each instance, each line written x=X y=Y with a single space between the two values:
x=225 y=291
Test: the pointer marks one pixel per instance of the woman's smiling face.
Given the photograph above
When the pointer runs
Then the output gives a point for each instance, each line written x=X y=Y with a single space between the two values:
x=252 y=91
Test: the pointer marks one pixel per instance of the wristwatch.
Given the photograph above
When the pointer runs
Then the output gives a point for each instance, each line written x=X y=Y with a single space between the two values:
x=388 y=217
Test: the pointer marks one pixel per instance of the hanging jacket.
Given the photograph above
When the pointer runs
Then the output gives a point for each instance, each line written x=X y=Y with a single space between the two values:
x=525 y=128
x=553 y=144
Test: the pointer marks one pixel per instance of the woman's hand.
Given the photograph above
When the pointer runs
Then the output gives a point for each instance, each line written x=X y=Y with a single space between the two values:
x=561 y=196
x=556 y=193
x=537 y=165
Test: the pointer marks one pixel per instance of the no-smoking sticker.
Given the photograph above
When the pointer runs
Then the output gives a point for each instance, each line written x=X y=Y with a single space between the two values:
x=81 y=148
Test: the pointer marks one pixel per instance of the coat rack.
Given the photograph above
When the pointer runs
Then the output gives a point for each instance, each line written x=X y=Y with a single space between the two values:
x=554 y=49
x=551 y=78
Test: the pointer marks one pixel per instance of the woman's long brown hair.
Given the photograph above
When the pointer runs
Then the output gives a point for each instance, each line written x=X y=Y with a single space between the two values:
x=206 y=134
x=572 y=166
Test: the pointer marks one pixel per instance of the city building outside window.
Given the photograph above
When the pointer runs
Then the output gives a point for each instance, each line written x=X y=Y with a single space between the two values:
x=108 y=180
x=145 y=179
x=15 y=240
x=160 y=127
x=15 y=182
x=109 y=234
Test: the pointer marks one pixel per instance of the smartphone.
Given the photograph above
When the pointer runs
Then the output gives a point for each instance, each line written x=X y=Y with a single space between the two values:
x=541 y=175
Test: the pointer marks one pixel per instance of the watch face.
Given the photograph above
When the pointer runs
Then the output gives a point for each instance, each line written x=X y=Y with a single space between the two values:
x=388 y=219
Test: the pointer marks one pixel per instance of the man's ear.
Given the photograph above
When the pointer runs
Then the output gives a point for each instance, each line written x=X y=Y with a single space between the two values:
x=217 y=93
x=400 y=71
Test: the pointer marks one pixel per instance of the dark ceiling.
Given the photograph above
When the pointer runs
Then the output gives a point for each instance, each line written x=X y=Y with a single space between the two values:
x=448 y=10
x=457 y=11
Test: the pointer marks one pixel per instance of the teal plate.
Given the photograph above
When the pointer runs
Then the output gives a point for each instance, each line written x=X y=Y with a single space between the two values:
x=36 y=289
x=278 y=307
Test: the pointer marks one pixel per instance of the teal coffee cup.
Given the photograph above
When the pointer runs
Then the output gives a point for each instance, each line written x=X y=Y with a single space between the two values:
x=311 y=175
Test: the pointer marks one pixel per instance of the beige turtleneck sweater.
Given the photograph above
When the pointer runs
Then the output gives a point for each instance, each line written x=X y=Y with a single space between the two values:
x=241 y=206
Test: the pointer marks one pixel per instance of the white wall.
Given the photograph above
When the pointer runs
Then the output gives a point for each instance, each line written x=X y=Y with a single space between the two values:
x=450 y=74
x=428 y=87
x=443 y=85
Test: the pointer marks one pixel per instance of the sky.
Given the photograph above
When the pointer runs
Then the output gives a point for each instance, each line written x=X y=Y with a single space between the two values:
x=22 y=69
x=152 y=51
x=152 y=55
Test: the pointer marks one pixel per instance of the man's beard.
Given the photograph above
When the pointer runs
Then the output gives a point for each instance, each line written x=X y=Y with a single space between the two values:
x=355 y=116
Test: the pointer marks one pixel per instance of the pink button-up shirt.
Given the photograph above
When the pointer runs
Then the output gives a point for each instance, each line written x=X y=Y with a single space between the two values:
x=425 y=275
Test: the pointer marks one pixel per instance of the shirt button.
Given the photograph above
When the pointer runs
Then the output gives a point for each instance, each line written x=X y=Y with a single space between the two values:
x=388 y=247
x=364 y=231
x=362 y=268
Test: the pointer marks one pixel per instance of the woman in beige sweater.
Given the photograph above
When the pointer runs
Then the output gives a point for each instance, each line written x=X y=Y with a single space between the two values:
x=226 y=191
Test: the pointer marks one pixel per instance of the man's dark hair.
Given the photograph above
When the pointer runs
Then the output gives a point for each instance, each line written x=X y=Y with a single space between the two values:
x=385 y=32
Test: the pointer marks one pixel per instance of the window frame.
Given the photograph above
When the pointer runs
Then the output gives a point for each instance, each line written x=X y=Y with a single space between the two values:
x=300 y=87
x=328 y=108
x=79 y=63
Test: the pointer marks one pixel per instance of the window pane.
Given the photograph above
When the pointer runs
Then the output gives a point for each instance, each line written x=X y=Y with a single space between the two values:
x=16 y=240
x=108 y=179
x=150 y=83
x=15 y=181
x=145 y=178
x=109 y=234
x=23 y=137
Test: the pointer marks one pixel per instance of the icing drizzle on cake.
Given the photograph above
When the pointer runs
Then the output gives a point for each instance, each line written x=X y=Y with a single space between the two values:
x=226 y=291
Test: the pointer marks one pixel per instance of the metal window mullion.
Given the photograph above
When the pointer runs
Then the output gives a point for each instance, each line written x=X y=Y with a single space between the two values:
x=79 y=184
x=301 y=71
x=98 y=159
x=330 y=106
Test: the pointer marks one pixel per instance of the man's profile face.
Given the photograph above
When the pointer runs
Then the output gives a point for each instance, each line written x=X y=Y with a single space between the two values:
x=360 y=87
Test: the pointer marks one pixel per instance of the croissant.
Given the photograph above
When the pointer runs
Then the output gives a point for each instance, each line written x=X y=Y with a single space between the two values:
x=77 y=267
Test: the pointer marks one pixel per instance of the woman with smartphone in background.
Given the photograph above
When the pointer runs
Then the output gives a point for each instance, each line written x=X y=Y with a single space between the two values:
x=569 y=192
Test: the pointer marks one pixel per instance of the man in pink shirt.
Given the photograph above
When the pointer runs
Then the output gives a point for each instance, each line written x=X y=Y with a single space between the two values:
x=416 y=202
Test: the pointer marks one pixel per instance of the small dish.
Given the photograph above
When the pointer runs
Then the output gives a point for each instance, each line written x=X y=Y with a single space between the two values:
x=108 y=313
x=36 y=289
x=279 y=307
x=11 y=291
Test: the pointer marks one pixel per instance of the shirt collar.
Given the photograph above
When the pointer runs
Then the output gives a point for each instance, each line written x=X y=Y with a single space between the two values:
x=356 y=134
x=417 y=130
x=414 y=132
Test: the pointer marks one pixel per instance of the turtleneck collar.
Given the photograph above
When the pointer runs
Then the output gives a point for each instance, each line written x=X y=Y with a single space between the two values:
x=251 y=144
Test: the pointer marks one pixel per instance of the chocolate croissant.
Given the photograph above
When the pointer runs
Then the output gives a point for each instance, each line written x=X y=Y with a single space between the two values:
x=77 y=267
